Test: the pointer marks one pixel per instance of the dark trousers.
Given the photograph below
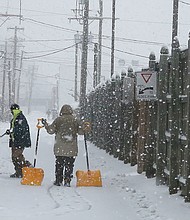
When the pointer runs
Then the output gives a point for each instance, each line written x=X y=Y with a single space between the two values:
x=64 y=165
x=18 y=160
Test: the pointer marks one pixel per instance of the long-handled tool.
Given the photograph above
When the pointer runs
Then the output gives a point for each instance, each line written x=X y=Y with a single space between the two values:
x=31 y=175
x=89 y=177
x=3 y=135
x=39 y=126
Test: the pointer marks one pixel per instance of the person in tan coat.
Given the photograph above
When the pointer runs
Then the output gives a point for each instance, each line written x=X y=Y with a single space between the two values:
x=66 y=129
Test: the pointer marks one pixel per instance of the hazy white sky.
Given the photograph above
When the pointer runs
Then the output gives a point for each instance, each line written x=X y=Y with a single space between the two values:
x=142 y=26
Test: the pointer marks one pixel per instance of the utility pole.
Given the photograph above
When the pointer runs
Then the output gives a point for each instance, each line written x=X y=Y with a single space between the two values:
x=77 y=42
x=13 y=15
x=100 y=42
x=57 y=88
x=14 y=63
x=20 y=71
x=4 y=76
x=113 y=38
x=84 y=54
x=20 y=9
x=15 y=60
x=9 y=83
x=7 y=16
x=175 y=21
x=30 y=87
x=82 y=16
x=76 y=72
x=95 y=65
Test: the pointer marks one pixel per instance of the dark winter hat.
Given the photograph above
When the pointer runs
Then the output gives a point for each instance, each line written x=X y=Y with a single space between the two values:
x=14 y=106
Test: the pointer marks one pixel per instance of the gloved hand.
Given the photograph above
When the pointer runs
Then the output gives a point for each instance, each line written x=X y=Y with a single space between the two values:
x=8 y=132
x=44 y=121
x=86 y=127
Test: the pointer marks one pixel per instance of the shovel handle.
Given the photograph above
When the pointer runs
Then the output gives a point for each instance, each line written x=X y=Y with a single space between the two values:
x=3 y=135
x=39 y=124
x=36 y=149
x=86 y=149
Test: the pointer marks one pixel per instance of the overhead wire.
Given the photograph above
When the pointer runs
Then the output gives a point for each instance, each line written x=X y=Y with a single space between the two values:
x=66 y=48
x=50 y=25
x=129 y=53
x=104 y=36
x=48 y=54
x=185 y=3
x=108 y=37
x=38 y=11
x=54 y=77
x=39 y=43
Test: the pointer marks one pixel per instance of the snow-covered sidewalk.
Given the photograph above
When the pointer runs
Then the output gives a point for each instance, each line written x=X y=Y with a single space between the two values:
x=125 y=195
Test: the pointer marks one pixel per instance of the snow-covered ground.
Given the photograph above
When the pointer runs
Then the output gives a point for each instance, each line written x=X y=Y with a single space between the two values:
x=125 y=195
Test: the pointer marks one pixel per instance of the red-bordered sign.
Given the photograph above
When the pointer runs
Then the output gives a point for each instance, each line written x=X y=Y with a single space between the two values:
x=146 y=85
x=146 y=76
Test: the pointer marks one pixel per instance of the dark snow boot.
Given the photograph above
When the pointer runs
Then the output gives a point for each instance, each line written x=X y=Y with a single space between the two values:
x=16 y=175
x=57 y=183
x=67 y=182
x=18 y=169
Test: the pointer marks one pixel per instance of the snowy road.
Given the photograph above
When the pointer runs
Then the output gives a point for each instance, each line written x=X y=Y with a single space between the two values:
x=124 y=195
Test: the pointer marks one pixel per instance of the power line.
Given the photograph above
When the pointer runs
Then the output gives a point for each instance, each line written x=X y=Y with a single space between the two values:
x=135 y=41
x=43 y=12
x=42 y=51
x=54 y=77
x=147 y=22
x=117 y=38
x=48 y=54
x=57 y=61
x=44 y=45
x=60 y=50
x=50 y=25
x=104 y=36
x=185 y=3
x=42 y=40
x=129 y=53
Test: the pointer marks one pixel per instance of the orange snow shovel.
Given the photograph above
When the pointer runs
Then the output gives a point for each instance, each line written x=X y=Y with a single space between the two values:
x=89 y=177
x=33 y=176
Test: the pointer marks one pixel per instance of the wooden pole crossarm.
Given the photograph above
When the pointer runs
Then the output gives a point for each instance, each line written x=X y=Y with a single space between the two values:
x=10 y=15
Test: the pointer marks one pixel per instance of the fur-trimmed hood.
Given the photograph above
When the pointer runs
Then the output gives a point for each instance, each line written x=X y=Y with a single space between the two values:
x=66 y=110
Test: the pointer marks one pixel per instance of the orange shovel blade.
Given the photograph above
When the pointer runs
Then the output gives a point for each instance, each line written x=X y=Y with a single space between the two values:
x=32 y=176
x=89 y=178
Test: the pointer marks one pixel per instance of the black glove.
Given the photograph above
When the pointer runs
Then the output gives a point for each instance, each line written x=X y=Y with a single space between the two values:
x=8 y=132
x=44 y=121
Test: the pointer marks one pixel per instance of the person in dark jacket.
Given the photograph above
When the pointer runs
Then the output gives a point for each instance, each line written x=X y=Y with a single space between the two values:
x=66 y=129
x=19 y=134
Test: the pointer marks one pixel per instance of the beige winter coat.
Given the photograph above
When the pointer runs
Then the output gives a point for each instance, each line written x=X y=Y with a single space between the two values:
x=66 y=129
